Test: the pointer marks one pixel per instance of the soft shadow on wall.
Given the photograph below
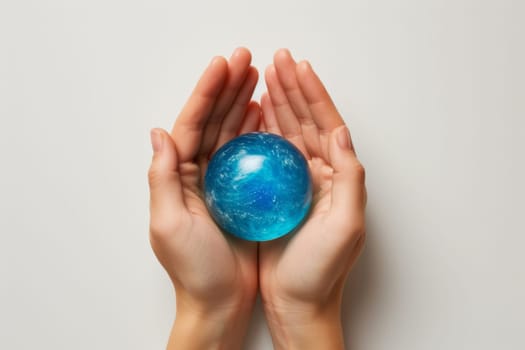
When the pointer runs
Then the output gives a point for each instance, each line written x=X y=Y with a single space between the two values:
x=361 y=289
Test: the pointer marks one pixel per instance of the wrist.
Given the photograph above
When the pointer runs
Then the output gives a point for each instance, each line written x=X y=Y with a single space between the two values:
x=208 y=326
x=305 y=326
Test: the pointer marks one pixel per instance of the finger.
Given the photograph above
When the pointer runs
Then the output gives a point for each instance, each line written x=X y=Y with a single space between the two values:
x=238 y=68
x=188 y=127
x=348 y=180
x=250 y=123
x=166 y=195
x=231 y=123
x=252 y=119
x=286 y=118
x=323 y=110
x=285 y=66
x=269 y=119
x=262 y=125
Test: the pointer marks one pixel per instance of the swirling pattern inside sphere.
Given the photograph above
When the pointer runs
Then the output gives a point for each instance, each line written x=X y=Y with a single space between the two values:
x=258 y=187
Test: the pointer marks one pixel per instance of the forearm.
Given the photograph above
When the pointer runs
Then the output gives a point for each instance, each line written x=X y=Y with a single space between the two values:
x=195 y=329
x=292 y=329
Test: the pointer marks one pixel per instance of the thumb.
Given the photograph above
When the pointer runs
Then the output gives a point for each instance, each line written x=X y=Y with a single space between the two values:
x=348 y=183
x=166 y=197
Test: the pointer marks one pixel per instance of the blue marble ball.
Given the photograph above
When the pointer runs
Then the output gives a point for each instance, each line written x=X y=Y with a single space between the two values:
x=258 y=186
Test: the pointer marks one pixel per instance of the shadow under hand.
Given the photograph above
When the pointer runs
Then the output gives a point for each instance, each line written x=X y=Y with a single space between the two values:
x=258 y=336
x=361 y=290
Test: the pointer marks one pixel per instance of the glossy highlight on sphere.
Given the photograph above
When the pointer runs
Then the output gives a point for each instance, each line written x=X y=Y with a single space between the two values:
x=258 y=186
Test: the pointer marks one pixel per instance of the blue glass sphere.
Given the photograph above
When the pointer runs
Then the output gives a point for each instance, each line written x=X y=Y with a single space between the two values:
x=258 y=186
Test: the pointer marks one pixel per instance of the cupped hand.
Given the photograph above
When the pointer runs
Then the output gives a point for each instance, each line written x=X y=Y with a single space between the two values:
x=302 y=275
x=212 y=272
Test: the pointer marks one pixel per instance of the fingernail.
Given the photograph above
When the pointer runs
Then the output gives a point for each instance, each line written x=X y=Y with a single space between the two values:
x=214 y=60
x=343 y=138
x=284 y=51
x=156 y=140
x=307 y=65
x=238 y=51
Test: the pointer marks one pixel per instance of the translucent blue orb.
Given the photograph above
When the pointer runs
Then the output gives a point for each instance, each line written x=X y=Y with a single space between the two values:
x=258 y=186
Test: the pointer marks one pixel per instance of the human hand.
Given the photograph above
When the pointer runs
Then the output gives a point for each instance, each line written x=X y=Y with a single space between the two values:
x=302 y=275
x=214 y=275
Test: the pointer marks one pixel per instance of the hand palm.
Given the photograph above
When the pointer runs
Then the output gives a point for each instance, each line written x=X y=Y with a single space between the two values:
x=302 y=266
x=223 y=264
x=200 y=259
x=309 y=265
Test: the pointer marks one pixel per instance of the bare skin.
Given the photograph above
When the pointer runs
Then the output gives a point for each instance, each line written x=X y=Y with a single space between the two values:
x=302 y=277
x=216 y=276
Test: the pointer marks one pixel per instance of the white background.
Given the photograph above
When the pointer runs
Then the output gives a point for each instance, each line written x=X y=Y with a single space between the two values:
x=433 y=92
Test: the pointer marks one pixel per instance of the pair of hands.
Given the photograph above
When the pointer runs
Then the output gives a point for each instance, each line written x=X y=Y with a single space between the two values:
x=216 y=275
